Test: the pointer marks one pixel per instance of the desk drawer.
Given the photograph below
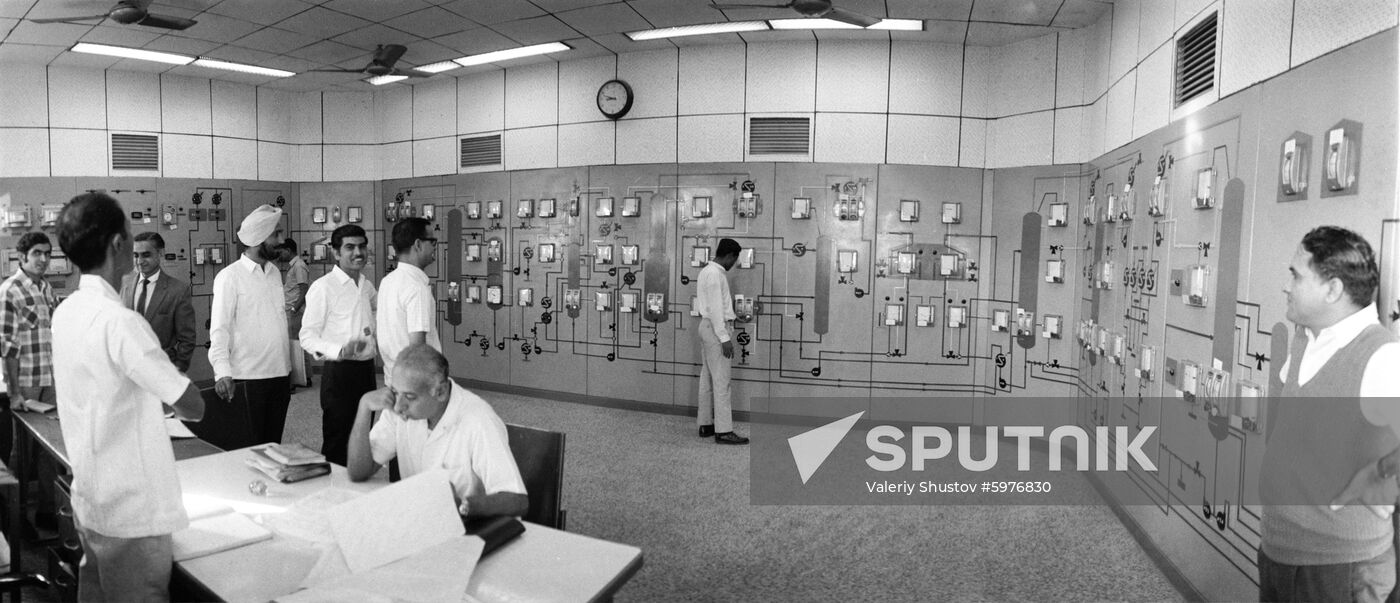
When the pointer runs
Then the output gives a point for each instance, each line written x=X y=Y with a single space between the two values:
x=64 y=576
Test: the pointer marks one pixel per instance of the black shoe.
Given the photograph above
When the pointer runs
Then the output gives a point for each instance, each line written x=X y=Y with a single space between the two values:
x=707 y=431
x=730 y=437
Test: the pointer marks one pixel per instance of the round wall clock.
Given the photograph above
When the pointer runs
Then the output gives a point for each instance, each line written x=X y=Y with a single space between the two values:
x=614 y=99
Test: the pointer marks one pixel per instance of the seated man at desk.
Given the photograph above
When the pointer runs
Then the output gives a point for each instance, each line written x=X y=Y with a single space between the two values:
x=430 y=422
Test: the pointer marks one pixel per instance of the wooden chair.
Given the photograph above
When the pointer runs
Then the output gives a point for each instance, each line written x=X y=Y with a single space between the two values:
x=540 y=456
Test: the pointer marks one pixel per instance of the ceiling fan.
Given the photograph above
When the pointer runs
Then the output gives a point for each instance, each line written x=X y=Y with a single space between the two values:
x=821 y=9
x=382 y=63
x=128 y=12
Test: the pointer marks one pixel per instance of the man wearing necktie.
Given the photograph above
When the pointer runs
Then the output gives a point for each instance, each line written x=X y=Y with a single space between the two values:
x=165 y=301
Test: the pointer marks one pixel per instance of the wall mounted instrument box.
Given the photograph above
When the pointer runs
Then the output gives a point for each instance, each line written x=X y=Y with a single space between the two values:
x=474 y=210
x=801 y=208
x=546 y=208
x=952 y=212
x=525 y=208
x=908 y=210
x=702 y=207
x=957 y=317
x=1054 y=323
x=1001 y=321
x=1294 y=154
x=604 y=208
x=1059 y=215
x=1341 y=159
x=493 y=210
x=631 y=207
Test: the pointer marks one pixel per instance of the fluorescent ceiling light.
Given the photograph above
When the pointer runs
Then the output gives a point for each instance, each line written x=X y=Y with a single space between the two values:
x=898 y=24
x=697 y=30
x=240 y=67
x=132 y=53
x=438 y=67
x=514 y=53
x=380 y=80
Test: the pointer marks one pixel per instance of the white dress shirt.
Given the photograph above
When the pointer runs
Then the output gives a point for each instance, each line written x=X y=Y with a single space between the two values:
x=110 y=379
x=247 y=323
x=469 y=441
x=338 y=310
x=1381 y=378
x=150 y=290
x=406 y=305
x=712 y=299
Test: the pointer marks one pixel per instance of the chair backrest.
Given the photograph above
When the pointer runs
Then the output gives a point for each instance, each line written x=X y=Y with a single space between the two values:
x=540 y=456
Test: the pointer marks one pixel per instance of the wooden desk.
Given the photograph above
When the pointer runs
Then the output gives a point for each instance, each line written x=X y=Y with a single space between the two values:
x=543 y=564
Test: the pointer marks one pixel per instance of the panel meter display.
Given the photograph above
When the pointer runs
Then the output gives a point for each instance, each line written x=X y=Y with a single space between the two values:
x=699 y=256
x=546 y=253
x=472 y=252
x=1025 y=322
x=1055 y=271
x=605 y=207
x=952 y=212
x=907 y=262
x=631 y=207
x=474 y=210
x=1001 y=321
x=473 y=295
x=957 y=317
x=894 y=315
x=629 y=255
x=949 y=266
x=493 y=250
x=525 y=208
x=493 y=294
x=602 y=300
x=846 y=260
x=1054 y=324
x=923 y=316
x=1194 y=290
x=493 y=210
x=1059 y=215
x=656 y=303
x=627 y=301
x=1205 y=189
x=525 y=297
x=908 y=210
x=801 y=208
x=546 y=208
x=572 y=299
x=746 y=258
x=701 y=207
x=603 y=254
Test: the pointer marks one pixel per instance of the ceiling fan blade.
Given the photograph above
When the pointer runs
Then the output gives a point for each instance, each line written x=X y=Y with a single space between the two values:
x=334 y=71
x=69 y=19
x=167 y=22
x=736 y=6
x=845 y=16
x=388 y=55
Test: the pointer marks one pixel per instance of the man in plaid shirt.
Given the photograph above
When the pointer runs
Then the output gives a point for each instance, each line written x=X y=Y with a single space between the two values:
x=26 y=301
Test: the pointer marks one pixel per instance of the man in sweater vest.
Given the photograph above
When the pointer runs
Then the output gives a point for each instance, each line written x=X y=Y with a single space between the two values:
x=1330 y=421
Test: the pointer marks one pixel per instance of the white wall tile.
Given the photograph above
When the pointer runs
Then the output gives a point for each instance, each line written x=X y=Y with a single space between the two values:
x=1118 y=126
x=1097 y=40
x=434 y=109
x=781 y=77
x=186 y=156
x=348 y=118
x=972 y=147
x=24 y=99
x=435 y=156
x=78 y=98
x=307 y=162
x=977 y=78
x=238 y=159
x=1023 y=76
x=185 y=105
x=1096 y=128
x=306 y=119
x=78 y=152
x=396 y=160
x=1069 y=68
x=853 y=76
x=393 y=113
x=1155 y=26
x=235 y=108
x=578 y=88
x=1254 y=42
x=922 y=140
x=925 y=78
x=712 y=79
x=849 y=138
x=1320 y=26
x=348 y=162
x=652 y=76
x=481 y=102
x=1070 y=136
x=274 y=161
x=589 y=143
x=530 y=148
x=1123 y=52
x=710 y=138
x=133 y=101
x=532 y=95
x=1187 y=10
x=1152 y=103
x=24 y=152
x=274 y=115
x=1022 y=140
x=646 y=140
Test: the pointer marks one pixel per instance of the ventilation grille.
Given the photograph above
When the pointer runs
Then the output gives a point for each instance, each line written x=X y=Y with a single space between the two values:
x=779 y=135
x=1195 y=60
x=135 y=152
x=482 y=150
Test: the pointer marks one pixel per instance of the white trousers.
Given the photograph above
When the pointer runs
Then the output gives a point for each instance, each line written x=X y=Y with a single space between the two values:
x=713 y=399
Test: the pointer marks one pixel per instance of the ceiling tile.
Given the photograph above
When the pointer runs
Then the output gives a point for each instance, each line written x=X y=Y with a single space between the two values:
x=218 y=28
x=708 y=40
x=27 y=53
x=536 y=31
x=1080 y=13
x=952 y=10
x=558 y=6
x=869 y=8
x=944 y=32
x=1021 y=12
x=777 y=35
x=757 y=14
x=236 y=54
x=327 y=53
x=141 y=66
x=133 y=37
x=1001 y=34
x=260 y=11
x=78 y=8
x=376 y=10
x=320 y=23
x=431 y=23
x=14 y=9
x=194 y=5
x=206 y=73
x=295 y=84
x=289 y=64
x=273 y=40
x=423 y=52
x=476 y=41
x=606 y=19
x=619 y=43
x=671 y=13
x=581 y=48
x=491 y=12
x=181 y=45
x=6 y=25
x=851 y=34
x=369 y=38
x=84 y=60
x=52 y=34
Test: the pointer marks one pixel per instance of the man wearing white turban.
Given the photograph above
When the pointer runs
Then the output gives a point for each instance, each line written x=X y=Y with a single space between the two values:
x=248 y=345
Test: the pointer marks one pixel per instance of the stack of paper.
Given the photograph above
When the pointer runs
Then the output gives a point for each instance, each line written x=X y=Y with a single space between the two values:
x=215 y=535
x=288 y=463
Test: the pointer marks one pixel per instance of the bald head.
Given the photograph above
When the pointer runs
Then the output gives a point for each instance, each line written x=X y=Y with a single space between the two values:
x=421 y=385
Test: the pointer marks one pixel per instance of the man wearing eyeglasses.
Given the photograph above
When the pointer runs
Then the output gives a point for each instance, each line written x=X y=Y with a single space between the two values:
x=407 y=310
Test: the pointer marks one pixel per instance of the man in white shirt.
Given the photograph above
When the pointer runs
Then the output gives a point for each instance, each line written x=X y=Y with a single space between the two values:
x=716 y=309
x=338 y=329
x=248 y=345
x=112 y=378
x=407 y=310
x=427 y=421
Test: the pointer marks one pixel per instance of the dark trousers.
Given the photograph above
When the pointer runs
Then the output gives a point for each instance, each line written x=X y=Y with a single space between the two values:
x=1369 y=580
x=267 y=401
x=342 y=384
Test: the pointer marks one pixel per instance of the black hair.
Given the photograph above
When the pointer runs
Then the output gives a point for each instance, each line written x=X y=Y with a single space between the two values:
x=349 y=230
x=290 y=245
x=154 y=237
x=726 y=247
x=1344 y=255
x=407 y=232
x=30 y=239
x=427 y=362
x=86 y=227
